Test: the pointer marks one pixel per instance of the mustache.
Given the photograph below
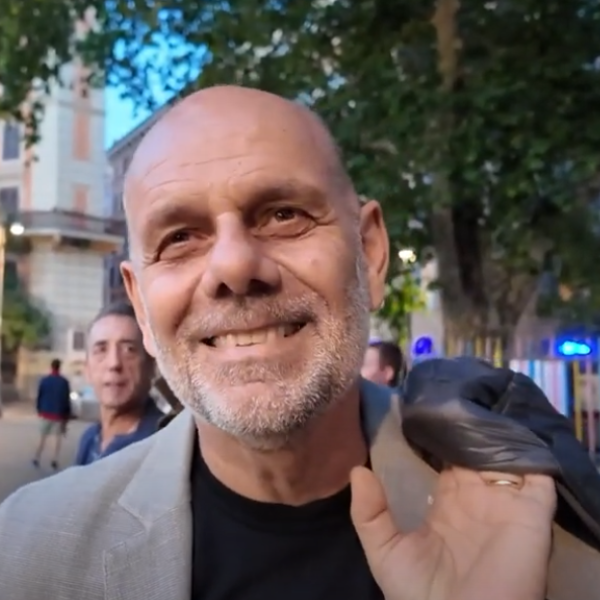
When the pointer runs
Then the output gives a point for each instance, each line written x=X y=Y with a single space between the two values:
x=247 y=314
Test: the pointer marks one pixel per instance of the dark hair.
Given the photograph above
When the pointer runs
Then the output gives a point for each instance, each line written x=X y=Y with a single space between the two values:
x=55 y=364
x=117 y=309
x=390 y=355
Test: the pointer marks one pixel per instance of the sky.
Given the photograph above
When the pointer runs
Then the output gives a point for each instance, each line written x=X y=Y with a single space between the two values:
x=162 y=56
x=121 y=116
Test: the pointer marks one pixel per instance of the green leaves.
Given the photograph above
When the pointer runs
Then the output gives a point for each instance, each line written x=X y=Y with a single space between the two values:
x=23 y=323
x=505 y=157
x=403 y=295
x=36 y=39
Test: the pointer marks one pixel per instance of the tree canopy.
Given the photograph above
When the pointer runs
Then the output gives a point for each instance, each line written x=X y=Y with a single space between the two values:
x=23 y=322
x=36 y=40
x=475 y=124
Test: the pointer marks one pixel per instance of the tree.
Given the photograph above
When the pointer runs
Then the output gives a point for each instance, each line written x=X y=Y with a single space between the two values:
x=36 y=40
x=403 y=296
x=23 y=323
x=475 y=124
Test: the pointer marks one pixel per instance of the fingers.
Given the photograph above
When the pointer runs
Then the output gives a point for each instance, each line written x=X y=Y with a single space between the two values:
x=371 y=516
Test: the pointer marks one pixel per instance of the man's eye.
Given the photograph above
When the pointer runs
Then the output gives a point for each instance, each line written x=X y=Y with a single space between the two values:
x=179 y=237
x=285 y=214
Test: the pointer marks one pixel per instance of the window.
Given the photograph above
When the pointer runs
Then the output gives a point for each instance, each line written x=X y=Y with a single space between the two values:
x=9 y=200
x=11 y=274
x=11 y=142
x=77 y=340
x=81 y=140
x=115 y=277
x=81 y=195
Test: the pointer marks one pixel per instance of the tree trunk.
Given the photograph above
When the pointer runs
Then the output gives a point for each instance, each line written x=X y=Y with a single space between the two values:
x=457 y=306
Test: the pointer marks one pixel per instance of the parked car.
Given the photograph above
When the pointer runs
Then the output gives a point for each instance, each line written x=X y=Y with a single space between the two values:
x=84 y=404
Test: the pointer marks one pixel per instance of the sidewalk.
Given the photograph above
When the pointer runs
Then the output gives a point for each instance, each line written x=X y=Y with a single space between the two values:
x=18 y=410
x=19 y=435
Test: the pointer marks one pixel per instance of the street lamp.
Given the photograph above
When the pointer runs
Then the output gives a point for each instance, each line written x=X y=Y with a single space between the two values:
x=15 y=229
x=407 y=255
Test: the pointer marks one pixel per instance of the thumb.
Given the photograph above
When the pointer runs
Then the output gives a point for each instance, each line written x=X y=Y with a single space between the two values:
x=371 y=516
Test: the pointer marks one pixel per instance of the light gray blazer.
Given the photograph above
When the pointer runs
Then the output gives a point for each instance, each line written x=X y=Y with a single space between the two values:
x=120 y=529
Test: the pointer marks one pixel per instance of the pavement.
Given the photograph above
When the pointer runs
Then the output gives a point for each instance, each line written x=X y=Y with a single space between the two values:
x=18 y=439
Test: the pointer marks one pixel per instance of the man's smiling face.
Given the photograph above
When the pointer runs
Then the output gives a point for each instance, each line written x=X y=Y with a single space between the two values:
x=253 y=267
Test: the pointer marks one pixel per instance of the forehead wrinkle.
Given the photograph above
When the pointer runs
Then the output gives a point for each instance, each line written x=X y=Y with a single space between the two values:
x=199 y=162
x=213 y=105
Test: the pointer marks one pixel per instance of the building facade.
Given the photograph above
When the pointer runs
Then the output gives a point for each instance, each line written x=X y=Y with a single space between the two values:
x=56 y=191
x=119 y=157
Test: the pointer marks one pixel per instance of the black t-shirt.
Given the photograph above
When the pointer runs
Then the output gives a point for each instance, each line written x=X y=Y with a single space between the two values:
x=248 y=550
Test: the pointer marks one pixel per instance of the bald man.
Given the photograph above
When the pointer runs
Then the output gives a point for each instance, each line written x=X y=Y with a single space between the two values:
x=252 y=272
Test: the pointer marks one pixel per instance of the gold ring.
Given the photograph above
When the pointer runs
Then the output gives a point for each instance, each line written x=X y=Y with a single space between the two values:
x=504 y=482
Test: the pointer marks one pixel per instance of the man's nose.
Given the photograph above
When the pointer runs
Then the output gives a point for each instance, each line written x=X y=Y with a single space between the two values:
x=237 y=265
x=114 y=358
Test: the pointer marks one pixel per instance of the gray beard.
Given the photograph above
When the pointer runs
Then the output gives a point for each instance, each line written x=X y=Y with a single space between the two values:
x=297 y=393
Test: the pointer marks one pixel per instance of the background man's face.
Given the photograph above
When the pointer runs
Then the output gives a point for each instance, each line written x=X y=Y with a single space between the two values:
x=117 y=367
x=372 y=368
x=253 y=288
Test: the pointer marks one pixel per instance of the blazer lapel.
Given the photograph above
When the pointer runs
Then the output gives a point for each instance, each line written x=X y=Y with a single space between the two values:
x=408 y=480
x=155 y=563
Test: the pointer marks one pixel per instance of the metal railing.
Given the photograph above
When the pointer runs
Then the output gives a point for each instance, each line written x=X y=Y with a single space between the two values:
x=70 y=221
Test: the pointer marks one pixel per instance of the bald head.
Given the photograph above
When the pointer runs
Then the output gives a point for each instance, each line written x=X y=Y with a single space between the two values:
x=232 y=111
x=253 y=264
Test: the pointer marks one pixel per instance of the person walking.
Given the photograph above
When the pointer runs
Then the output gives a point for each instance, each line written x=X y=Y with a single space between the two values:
x=54 y=411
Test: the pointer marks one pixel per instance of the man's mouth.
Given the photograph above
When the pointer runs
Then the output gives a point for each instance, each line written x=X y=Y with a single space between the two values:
x=264 y=335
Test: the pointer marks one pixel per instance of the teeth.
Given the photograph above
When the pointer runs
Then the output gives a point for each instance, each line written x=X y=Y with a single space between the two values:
x=250 y=338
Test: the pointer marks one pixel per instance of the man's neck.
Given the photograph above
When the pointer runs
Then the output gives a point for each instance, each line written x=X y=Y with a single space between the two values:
x=113 y=423
x=314 y=466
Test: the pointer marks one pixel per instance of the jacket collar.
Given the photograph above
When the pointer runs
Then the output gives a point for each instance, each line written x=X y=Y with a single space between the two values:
x=154 y=562
x=170 y=456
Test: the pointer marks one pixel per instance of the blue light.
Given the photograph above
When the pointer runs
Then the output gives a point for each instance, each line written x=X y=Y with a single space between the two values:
x=574 y=348
x=423 y=346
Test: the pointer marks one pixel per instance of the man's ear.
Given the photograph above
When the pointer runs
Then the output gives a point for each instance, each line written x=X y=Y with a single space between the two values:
x=376 y=248
x=133 y=293
x=388 y=373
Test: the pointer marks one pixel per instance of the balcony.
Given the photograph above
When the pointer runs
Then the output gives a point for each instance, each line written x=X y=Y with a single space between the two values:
x=73 y=229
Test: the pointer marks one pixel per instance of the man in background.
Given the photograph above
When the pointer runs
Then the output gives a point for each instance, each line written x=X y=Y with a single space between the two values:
x=54 y=410
x=383 y=363
x=120 y=372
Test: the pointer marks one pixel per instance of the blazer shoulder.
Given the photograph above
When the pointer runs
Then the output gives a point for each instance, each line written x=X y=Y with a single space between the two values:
x=59 y=528
x=64 y=501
